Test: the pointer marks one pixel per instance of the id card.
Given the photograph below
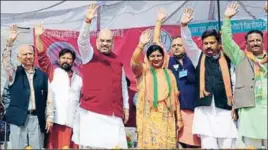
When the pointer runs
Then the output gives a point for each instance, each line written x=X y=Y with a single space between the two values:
x=183 y=73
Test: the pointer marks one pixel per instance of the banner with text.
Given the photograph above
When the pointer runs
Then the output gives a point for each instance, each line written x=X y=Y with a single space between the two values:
x=126 y=40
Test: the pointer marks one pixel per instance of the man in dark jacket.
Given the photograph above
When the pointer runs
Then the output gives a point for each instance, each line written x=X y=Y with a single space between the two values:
x=30 y=111
x=185 y=73
x=213 y=107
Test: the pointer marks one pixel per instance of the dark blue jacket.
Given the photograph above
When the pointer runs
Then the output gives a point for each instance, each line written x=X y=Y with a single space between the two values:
x=16 y=113
x=186 y=85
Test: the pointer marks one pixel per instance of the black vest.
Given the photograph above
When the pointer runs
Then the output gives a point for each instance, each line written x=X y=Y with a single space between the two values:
x=20 y=94
x=213 y=83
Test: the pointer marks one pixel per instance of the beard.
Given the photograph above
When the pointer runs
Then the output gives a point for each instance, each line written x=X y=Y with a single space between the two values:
x=67 y=67
x=180 y=56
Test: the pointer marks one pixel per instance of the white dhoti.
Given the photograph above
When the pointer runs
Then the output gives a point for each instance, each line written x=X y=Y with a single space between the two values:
x=98 y=131
x=215 y=124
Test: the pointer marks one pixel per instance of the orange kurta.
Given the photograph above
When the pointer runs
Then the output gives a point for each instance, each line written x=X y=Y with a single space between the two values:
x=186 y=135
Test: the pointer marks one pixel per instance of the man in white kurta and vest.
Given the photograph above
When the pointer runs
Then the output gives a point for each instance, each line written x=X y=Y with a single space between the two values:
x=104 y=102
x=66 y=87
x=213 y=121
x=30 y=110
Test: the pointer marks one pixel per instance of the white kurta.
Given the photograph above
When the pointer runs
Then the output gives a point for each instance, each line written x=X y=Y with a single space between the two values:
x=214 y=122
x=92 y=129
x=99 y=131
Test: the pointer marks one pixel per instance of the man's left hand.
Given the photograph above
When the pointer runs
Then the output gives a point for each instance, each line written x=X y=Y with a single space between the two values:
x=126 y=115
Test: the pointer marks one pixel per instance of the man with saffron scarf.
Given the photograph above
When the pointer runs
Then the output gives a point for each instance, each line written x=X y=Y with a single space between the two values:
x=250 y=97
x=212 y=121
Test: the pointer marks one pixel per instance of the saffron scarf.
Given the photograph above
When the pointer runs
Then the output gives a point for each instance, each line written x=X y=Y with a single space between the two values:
x=258 y=68
x=225 y=75
x=257 y=64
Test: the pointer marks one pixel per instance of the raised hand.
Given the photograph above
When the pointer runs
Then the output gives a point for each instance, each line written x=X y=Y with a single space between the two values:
x=91 y=11
x=187 y=16
x=266 y=7
x=145 y=37
x=13 y=33
x=39 y=29
x=231 y=10
x=161 y=14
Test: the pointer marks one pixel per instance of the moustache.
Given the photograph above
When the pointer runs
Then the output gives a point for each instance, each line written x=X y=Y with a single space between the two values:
x=104 y=46
x=209 y=49
x=256 y=46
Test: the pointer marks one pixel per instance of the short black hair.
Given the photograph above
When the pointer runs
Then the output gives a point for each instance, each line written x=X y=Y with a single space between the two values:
x=154 y=48
x=211 y=32
x=128 y=82
x=66 y=50
x=253 y=31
